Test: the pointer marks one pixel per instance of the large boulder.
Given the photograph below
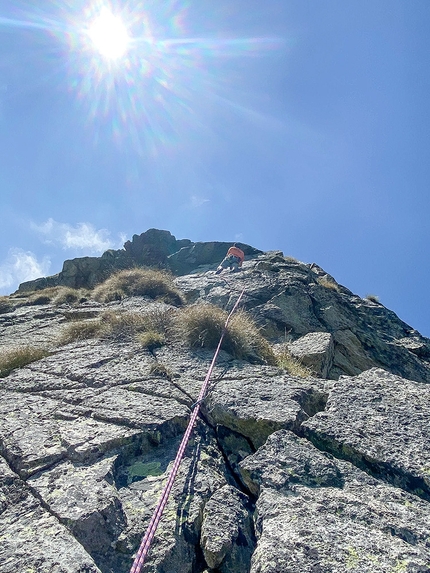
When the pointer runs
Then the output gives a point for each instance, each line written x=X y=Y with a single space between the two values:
x=315 y=350
x=380 y=422
x=321 y=514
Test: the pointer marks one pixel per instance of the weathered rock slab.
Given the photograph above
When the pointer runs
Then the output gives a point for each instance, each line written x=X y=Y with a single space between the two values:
x=32 y=539
x=315 y=513
x=256 y=406
x=328 y=530
x=380 y=422
x=284 y=460
x=29 y=439
x=82 y=498
x=227 y=538
x=316 y=351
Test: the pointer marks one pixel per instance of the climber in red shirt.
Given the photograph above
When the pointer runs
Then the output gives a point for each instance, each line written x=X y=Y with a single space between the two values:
x=233 y=259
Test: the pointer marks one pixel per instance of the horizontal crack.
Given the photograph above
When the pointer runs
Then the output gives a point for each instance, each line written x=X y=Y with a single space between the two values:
x=379 y=470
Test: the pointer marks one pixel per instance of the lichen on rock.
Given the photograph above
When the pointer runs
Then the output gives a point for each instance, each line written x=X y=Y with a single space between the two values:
x=324 y=473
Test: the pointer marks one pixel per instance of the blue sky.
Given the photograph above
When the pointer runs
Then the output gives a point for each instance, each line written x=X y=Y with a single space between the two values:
x=297 y=125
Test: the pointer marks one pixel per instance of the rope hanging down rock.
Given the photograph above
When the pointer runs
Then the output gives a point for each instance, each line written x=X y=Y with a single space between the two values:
x=153 y=524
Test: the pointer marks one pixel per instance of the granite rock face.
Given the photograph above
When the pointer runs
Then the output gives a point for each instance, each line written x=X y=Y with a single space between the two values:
x=154 y=248
x=323 y=474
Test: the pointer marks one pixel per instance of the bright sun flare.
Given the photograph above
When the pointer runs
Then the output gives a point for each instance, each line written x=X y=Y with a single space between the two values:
x=109 y=35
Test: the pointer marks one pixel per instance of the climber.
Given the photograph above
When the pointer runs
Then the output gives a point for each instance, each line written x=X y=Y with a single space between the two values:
x=233 y=260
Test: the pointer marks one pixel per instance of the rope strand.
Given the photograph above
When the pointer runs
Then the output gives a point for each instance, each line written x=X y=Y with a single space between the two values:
x=153 y=524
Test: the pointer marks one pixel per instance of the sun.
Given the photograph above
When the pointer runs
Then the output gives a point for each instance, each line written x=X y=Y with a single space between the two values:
x=109 y=35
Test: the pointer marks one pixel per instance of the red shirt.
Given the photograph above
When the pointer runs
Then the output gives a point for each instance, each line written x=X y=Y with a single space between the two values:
x=237 y=253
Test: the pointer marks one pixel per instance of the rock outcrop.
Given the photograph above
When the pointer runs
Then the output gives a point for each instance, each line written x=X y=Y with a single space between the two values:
x=154 y=248
x=323 y=474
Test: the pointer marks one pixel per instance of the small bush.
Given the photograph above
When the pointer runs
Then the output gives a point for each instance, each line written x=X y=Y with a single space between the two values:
x=286 y=361
x=201 y=325
x=151 y=339
x=161 y=371
x=19 y=357
x=139 y=282
x=111 y=325
x=328 y=283
x=66 y=295
x=80 y=330
x=372 y=298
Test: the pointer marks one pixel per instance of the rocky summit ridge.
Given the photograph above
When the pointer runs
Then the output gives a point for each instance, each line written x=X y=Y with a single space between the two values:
x=322 y=472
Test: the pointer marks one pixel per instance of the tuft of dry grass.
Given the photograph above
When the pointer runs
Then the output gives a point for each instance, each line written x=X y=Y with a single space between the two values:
x=80 y=330
x=19 y=357
x=372 y=298
x=286 y=361
x=151 y=339
x=121 y=325
x=67 y=295
x=160 y=371
x=327 y=283
x=201 y=325
x=139 y=282
x=53 y=295
x=150 y=329
x=159 y=319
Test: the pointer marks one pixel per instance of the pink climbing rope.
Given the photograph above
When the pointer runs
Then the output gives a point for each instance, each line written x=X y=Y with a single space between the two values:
x=153 y=524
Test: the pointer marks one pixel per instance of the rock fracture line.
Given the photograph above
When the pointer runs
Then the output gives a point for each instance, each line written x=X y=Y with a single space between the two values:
x=155 y=519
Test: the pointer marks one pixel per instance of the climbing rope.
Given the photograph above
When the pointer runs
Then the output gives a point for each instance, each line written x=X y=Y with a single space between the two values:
x=153 y=524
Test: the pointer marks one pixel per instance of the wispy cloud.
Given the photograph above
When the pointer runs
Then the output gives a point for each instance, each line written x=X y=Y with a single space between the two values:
x=197 y=201
x=21 y=266
x=83 y=236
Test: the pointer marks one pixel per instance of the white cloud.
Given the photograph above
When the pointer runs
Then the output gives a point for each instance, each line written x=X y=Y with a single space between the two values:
x=196 y=201
x=82 y=237
x=21 y=266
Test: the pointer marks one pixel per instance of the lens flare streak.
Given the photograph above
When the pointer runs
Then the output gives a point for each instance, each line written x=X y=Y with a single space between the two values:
x=144 y=84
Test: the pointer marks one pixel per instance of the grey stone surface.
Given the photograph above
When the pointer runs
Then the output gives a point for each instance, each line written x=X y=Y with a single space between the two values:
x=315 y=350
x=357 y=528
x=227 y=538
x=318 y=475
x=82 y=498
x=32 y=539
x=286 y=459
x=317 y=513
x=255 y=406
x=379 y=421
